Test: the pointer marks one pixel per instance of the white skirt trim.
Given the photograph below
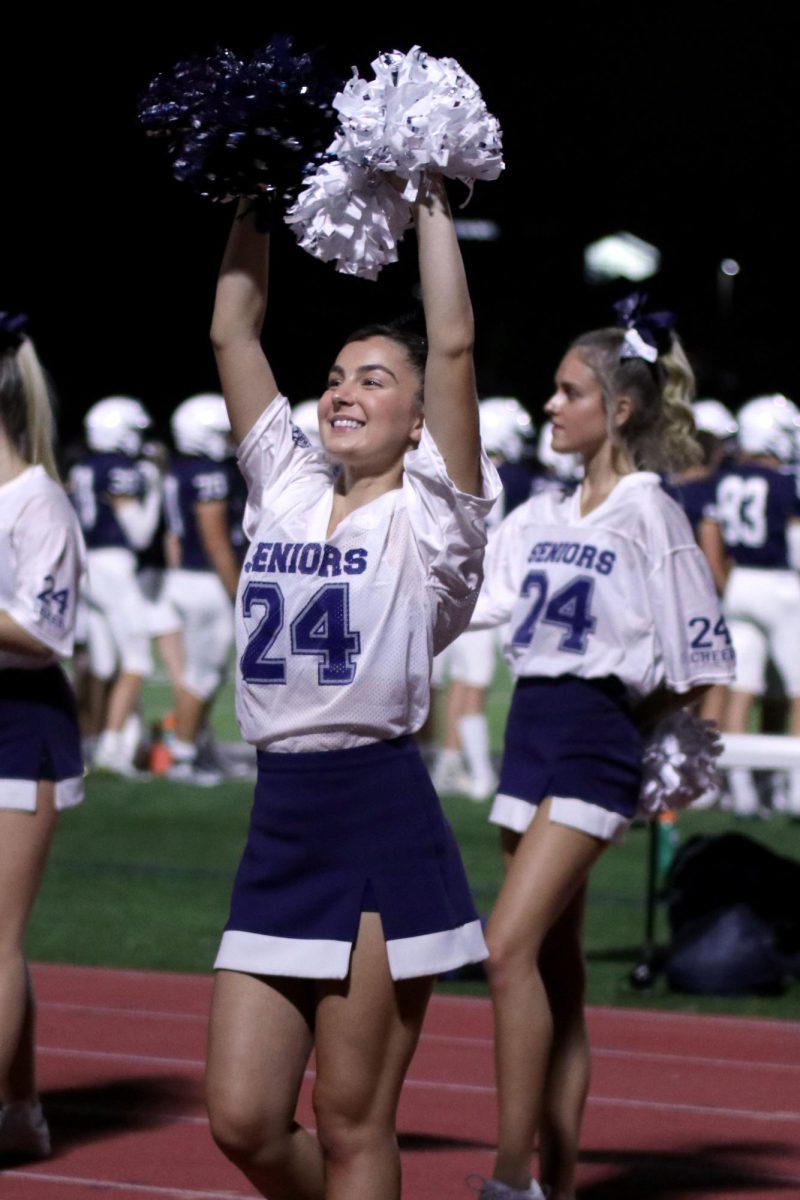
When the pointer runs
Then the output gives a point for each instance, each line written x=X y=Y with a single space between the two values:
x=515 y=814
x=511 y=812
x=264 y=954
x=318 y=958
x=432 y=953
x=20 y=794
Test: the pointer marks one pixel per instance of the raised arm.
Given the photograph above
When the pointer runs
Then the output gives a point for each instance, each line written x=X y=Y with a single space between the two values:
x=241 y=301
x=451 y=403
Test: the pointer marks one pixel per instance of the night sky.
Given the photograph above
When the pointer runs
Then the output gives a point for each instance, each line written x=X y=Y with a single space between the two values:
x=682 y=130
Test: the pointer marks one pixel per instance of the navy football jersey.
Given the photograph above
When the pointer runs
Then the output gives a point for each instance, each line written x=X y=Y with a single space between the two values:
x=517 y=480
x=753 y=505
x=236 y=506
x=93 y=484
x=695 y=496
x=193 y=480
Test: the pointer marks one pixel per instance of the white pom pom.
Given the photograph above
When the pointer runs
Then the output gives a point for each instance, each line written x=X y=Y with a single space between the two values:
x=350 y=216
x=417 y=114
x=679 y=763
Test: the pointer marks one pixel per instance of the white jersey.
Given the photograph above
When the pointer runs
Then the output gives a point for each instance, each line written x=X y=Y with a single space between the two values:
x=41 y=561
x=335 y=635
x=622 y=591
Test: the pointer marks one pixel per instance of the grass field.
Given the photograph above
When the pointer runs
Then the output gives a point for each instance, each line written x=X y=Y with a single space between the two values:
x=140 y=877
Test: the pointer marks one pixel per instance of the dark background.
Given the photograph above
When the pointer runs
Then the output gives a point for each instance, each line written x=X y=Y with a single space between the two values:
x=680 y=128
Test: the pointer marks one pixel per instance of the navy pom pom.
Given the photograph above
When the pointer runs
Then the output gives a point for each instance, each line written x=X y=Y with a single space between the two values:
x=238 y=127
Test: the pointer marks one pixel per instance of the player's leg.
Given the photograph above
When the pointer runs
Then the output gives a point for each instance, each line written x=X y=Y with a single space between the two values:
x=207 y=616
x=260 y=1039
x=116 y=592
x=473 y=732
x=547 y=872
x=367 y=1029
x=473 y=666
x=782 y=621
x=750 y=644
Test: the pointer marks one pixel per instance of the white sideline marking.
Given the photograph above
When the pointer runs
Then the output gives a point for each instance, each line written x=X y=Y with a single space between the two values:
x=115 y=1185
x=154 y=1059
x=105 y=1009
x=478 y=1042
x=437 y=1002
x=751 y=1177
x=662 y=1016
x=473 y=1088
x=638 y=1055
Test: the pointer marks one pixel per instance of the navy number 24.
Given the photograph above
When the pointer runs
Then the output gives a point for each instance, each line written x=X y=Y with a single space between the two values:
x=322 y=629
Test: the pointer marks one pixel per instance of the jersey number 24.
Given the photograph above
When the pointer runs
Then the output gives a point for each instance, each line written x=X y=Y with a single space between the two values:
x=322 y=628
x=569 y=607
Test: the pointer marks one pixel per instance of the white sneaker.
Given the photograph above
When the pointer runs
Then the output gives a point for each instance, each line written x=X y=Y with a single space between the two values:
x=744 y=796
x=23 y=1130
x=448 y=775
x=190 y=772
x=493 y=1189
x=111 y=756
x=482 y=789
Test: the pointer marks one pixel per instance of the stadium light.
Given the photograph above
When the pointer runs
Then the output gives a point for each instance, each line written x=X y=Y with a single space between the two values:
x=472 y=230
x=620 y=256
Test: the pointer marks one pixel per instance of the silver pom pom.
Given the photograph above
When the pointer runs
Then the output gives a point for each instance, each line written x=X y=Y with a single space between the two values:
x=679 y=763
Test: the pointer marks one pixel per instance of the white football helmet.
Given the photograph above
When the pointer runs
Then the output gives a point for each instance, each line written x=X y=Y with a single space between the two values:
x=566 y=467
x=710 y=416
x=116 y=423
x=505 y=426
x=770 y=425
x=305 y=417
x=200 y=426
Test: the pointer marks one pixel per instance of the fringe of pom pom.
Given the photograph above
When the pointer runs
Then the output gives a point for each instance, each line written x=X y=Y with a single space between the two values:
x=679 y=763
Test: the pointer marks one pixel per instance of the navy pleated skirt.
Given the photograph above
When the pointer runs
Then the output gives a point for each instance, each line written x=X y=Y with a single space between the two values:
x=336 y=833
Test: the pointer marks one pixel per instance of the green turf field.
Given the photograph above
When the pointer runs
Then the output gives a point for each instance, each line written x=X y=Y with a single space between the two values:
x=140 y=875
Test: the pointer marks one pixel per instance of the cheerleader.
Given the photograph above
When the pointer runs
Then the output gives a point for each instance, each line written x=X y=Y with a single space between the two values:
x=363 y=563
x=41 y=772
x=614 y=620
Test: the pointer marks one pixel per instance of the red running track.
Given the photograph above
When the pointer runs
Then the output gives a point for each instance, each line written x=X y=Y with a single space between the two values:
x=681 y=1106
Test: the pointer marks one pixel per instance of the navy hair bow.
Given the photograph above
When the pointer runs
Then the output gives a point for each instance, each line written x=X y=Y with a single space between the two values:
x=646 y=334
x=13 y=328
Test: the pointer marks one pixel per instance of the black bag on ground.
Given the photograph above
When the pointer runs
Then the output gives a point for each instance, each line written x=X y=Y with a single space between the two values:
x=730 y=952
x=734 y=912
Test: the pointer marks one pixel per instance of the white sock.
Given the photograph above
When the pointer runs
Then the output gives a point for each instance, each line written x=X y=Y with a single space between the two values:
x=793 y=794
x=744 y=796
x=109 y=746
x=183 y=752
x=448 y=758
x=474 y=733
x=131 y=736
